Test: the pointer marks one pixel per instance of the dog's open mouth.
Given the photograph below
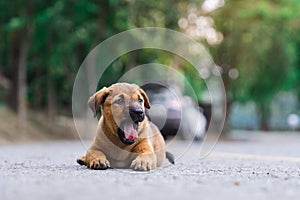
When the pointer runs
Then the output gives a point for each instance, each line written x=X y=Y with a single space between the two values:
x=128 y=132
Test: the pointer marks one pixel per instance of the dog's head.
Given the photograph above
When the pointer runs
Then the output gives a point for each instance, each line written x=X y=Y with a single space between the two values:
x=123 y=109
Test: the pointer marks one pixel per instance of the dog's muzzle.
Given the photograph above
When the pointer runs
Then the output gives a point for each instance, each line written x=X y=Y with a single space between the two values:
x=136 y=114
x=128 y=130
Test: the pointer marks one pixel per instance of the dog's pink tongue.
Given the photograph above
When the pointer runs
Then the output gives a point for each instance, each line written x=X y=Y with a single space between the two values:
x=130 y=133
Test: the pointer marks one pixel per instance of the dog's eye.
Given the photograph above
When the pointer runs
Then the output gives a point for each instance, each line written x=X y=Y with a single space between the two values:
x=140 y=100
x=119 y=101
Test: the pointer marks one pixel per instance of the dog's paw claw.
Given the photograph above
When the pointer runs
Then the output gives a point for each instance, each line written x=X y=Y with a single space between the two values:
x=140 y=164
x=81 y=160
x=99 y=164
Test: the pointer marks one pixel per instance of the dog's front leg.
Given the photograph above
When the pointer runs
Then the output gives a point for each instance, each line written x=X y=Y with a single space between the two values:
x=96 y=159
x=146 y=159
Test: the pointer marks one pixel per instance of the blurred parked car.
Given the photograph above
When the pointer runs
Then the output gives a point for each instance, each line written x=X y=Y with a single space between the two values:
x=175 y=114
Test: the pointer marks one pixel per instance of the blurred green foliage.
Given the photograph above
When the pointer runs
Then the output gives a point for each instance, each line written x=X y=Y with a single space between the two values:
x=62 y=32
x=260 y=41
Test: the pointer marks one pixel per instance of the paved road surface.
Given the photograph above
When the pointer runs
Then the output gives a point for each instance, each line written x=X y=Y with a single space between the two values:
x=256 y=169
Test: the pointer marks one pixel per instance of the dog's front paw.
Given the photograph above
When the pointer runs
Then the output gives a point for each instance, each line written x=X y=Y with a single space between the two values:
x=98 y=163
x=143 y=163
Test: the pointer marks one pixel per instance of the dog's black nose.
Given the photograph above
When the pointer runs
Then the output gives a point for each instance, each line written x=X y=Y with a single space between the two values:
x=136 y=111
x=136 y=114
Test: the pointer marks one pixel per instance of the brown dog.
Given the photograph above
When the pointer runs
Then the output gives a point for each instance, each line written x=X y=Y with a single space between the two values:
x=125 y=137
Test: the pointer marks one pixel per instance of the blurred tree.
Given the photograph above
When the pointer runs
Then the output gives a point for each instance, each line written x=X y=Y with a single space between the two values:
x=17 y=33
x=60 y=34
x=258 y=52
x=47 y=41
x=64 y=31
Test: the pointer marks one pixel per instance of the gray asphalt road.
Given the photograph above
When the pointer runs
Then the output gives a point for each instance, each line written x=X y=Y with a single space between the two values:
x=256 y=169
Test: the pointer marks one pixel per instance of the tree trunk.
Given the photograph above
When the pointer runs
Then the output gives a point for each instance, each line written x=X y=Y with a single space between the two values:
x=14 y=55
x=51 y=100
x=18 y=56
x=226 y=82
x=226 y=128
x=264 y=113
x=21 y=86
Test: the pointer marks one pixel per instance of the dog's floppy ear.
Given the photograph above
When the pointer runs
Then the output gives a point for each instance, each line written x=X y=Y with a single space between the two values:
x=97 y=99
x=146 y=99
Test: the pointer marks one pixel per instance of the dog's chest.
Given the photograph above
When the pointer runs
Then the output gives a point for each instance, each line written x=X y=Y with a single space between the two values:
x=114 y=151
x=119 y=158
x=117 y=153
